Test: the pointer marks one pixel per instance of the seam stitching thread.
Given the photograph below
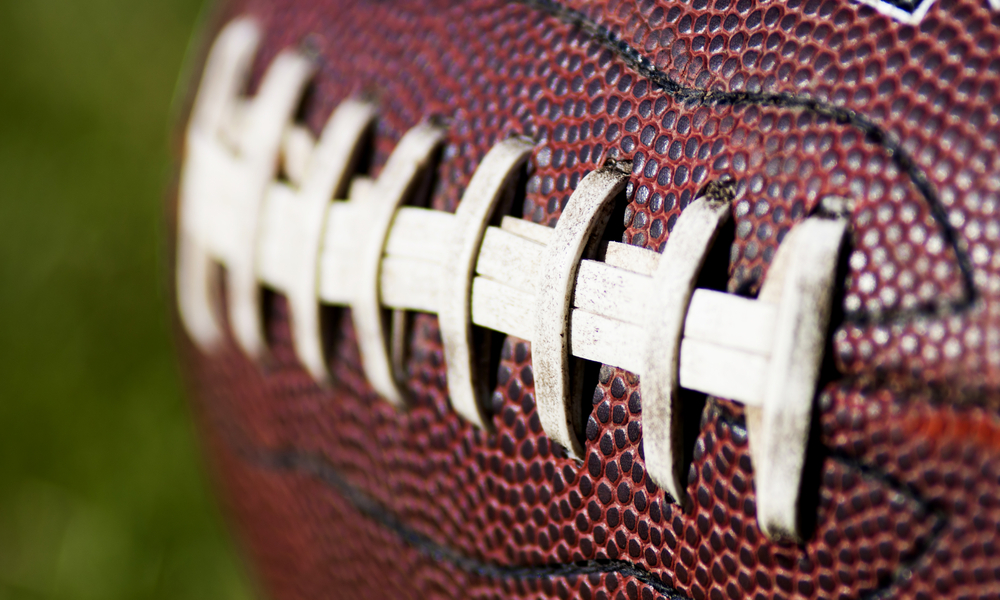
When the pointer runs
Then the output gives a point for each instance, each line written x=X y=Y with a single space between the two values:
x=692 y=96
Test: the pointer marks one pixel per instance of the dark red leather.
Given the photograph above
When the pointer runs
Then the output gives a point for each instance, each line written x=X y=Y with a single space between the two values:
x=338 y=494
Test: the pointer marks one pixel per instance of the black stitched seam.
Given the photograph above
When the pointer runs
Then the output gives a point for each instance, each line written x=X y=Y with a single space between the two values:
x=923 y=550
x=693 y=96
x=940 y=516
x=316 y=466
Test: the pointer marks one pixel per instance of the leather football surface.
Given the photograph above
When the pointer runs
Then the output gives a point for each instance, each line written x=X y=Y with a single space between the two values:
x=337 y=493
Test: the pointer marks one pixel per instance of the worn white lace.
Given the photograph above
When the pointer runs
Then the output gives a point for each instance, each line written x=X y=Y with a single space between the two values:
x=570 y=296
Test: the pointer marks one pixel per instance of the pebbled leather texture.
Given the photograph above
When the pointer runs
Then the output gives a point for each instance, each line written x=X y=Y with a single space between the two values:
x=338 y=494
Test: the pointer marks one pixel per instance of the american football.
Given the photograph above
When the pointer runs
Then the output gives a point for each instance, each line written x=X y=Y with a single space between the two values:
x=693 y=299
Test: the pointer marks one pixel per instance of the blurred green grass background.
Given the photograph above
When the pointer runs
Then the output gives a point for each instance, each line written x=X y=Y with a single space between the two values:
x=103 y=492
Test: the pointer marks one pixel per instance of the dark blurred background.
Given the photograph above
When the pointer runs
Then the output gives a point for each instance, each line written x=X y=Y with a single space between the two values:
x=103 y=491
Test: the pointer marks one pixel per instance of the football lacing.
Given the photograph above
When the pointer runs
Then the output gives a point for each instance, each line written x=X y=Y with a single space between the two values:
x=572 y=297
